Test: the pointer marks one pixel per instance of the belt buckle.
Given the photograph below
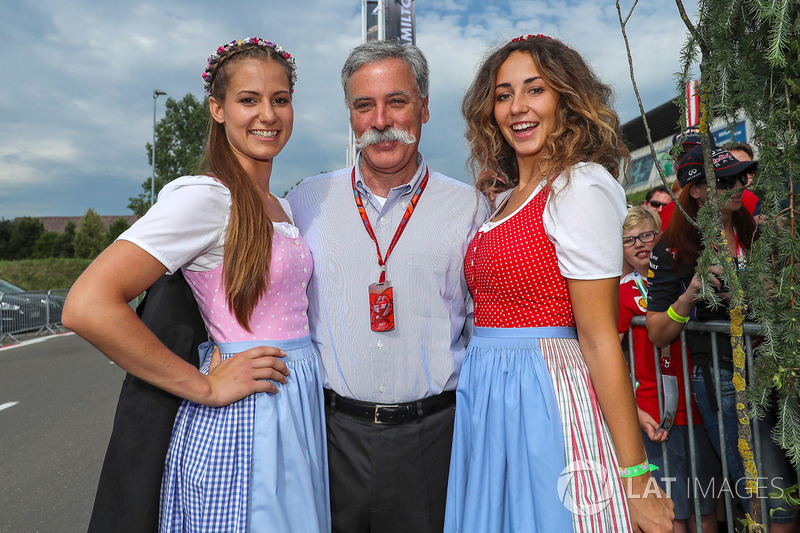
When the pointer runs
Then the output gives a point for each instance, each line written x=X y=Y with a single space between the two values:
x=377 y=410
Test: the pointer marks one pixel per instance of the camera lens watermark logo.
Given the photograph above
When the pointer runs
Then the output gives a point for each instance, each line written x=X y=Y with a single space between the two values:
x=585 y=487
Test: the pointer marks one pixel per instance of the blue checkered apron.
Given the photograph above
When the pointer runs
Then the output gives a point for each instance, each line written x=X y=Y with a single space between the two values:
x=248 y=466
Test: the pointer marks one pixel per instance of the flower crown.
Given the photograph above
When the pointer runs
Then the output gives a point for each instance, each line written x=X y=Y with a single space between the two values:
x=529 y=36
x=222 y=52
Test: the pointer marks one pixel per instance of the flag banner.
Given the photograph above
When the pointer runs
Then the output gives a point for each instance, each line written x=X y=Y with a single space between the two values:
x=692 y=103
x=401 y=21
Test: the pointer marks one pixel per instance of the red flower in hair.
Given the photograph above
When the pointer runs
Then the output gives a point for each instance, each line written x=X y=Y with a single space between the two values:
x=526 y=37
x=529 y=36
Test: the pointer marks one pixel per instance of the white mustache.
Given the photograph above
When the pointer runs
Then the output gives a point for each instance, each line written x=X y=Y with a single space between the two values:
x=389 y=134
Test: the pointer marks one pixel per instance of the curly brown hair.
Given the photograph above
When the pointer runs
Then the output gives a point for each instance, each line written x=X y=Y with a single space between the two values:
x=587 y=127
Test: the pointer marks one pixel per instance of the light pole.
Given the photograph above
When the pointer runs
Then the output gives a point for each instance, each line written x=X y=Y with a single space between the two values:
x=156 y=94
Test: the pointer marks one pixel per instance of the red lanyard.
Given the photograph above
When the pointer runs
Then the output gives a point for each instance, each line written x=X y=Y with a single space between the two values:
x=400 y=228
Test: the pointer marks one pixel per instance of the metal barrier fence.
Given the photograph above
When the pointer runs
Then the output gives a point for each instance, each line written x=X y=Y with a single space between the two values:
x=35 y=311
x=715 y=328
x=31 y=311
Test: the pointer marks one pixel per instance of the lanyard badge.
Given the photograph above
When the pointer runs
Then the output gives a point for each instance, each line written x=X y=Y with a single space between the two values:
x=640 y=284
x=381 y=306
x=381 y=294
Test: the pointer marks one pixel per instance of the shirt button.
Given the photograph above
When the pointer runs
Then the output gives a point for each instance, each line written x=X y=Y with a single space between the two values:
x=303 y=299
x=303 y=284
x=297 y=242
x=305 y=270
x=302 y=255
x=380 y=344
x=403 y=204
x=380 y=389
x=383 y=220
x=302 y=313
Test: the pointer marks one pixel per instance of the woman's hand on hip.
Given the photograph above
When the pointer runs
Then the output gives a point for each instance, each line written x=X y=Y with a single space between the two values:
x=245 y=373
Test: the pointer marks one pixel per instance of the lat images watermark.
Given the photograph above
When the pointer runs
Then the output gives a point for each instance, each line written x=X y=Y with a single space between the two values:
x=585 y=473
x=586 y=487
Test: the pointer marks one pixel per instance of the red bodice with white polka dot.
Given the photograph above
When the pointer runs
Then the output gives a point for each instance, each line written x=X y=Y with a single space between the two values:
x=513 y=275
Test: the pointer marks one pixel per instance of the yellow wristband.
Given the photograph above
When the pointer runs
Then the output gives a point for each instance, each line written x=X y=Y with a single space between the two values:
x=676 y=317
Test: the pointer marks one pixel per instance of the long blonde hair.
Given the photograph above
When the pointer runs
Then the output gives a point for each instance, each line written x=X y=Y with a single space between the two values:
x=587 y=128
x=248 y=240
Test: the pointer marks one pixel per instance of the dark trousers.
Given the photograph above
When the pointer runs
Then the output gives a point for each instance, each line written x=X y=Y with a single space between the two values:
x=389 y=478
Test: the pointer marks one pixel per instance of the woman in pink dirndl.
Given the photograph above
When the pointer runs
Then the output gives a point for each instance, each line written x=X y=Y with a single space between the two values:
x=248 y=448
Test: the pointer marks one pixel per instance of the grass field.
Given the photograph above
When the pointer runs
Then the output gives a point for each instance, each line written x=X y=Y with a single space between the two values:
x=43 y=274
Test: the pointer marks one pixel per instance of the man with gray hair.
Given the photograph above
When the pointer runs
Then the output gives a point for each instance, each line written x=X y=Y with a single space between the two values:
x=389 y=307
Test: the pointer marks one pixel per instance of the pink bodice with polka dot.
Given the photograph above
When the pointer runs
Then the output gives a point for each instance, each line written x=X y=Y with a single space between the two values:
x=280 y=314
x=513 y=275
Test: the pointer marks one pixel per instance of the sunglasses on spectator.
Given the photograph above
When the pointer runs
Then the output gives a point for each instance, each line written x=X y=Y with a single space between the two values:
x=655 y=204
x=647 y=236
x=729 y=182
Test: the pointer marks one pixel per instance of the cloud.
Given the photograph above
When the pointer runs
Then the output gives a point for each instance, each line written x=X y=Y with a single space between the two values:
x=77 y=100
x=23 y=163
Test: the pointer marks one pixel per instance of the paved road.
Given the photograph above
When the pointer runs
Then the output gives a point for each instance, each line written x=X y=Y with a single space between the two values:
x=53 y=440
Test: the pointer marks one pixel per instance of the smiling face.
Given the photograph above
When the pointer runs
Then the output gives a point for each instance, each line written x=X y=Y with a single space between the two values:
x=383 y=94
x=524 y=106
x=257 y=112
x=638 y=255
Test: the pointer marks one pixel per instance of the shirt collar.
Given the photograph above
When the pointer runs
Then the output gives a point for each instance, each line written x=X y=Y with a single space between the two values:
x=400 y=190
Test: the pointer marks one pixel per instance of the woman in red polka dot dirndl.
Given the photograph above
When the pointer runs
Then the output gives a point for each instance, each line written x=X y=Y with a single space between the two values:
x=546 y=434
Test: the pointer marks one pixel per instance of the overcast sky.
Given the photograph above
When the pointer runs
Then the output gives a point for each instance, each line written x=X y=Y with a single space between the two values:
x=76 y=105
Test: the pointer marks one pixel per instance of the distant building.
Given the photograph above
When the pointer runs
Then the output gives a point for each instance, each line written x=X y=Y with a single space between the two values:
x=58 y=224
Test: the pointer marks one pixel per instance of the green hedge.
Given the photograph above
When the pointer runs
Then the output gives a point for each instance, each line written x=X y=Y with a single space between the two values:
x=43 y=274
x=637 y=198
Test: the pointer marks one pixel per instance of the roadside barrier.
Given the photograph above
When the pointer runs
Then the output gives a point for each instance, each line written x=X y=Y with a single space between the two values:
x=31 y=311
x=37 y=312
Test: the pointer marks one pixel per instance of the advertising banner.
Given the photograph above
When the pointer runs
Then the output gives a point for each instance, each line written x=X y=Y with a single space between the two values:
x=401 y=21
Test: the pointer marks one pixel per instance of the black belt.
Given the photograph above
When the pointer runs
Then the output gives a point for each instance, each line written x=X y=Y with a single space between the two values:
x=399 y=413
